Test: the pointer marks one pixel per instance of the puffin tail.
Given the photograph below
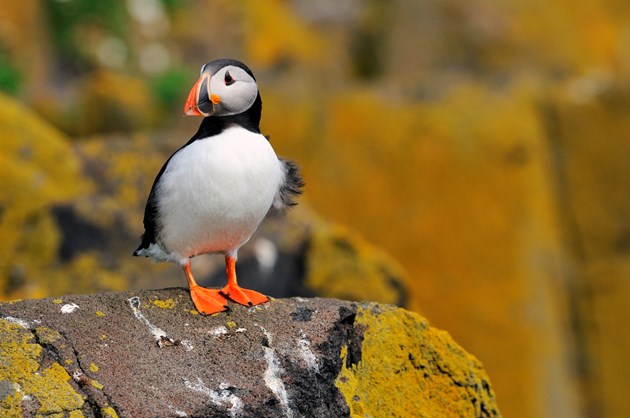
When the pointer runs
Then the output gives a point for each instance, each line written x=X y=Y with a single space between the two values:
x=292 y=186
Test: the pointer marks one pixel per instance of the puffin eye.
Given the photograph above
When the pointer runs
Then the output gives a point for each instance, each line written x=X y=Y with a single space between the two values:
x=228 y=79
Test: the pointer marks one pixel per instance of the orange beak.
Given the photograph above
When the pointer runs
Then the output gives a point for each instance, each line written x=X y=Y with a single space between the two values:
x=200 y=102
x=191 y=108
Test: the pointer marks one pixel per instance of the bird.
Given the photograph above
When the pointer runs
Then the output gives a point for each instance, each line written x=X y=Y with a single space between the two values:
x=213 y=192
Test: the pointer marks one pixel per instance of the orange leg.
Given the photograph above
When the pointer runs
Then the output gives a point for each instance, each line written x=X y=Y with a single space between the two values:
x=207 y=301
x=236 y=293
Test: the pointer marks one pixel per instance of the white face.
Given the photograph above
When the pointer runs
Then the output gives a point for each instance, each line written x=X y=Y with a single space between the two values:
x=235 y=89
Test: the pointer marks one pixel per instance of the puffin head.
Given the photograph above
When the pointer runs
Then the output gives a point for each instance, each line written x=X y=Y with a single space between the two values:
x=225 y=87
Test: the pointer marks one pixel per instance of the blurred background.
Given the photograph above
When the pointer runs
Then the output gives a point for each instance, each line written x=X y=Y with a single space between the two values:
x=466 y=159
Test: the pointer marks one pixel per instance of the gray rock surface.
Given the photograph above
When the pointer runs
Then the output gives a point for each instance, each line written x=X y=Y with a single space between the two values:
x=149 y=354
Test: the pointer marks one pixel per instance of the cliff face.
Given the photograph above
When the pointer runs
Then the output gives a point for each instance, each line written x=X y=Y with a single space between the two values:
x=149 y=353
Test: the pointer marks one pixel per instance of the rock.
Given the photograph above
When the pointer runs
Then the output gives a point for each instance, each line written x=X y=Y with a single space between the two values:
x=150 y=354
x=33 y=181
x=302 y=254
x=590 y=145
x=53 y=233
x=292 y=254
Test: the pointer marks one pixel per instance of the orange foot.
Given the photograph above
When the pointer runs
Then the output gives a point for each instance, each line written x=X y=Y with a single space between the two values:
x=208 y=301
x=245 y=297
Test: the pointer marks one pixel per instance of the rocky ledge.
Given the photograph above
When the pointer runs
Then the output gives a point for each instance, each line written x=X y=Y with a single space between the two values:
x=150 y=354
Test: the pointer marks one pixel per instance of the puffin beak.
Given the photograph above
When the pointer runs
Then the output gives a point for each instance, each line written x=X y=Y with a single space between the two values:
x=200 y=102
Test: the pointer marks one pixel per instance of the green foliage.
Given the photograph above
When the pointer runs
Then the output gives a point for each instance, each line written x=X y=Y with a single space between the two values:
x=10 y=77
x=72 y=21
x=170 y=87
x=174 y=5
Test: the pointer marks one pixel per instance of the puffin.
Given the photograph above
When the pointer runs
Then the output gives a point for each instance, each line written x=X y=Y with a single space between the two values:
x=213 y=192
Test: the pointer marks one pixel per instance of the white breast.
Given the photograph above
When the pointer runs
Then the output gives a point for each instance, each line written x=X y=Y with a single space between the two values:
x=214 y=193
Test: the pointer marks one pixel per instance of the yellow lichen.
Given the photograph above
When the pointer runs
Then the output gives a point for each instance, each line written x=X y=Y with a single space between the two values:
x=11 y=302
x=55 y=393
x=99 y=313
x=11 y=406
x=338 y=260
x=47 y=335
x=109 y=412
x=76 y=414
x=33 y=181
x=409 y=369
x=230 y=324
x=165 y=304
x=57 y=301
x=93 y=368
x=49 y=386
x=194 y=312
x=96 y=384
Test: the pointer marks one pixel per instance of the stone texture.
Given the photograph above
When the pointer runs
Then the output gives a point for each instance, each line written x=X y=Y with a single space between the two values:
x=592 y=154
x=150 y=354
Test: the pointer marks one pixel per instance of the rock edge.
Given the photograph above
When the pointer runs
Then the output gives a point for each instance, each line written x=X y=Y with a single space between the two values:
x=150 y=354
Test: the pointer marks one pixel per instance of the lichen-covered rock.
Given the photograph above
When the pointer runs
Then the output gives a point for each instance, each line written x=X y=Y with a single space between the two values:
x=591 y=145
x=60 y=220
x=298 y=253
x=302 y=254
x=33 y=180
x=435 y=376
x=150 y=354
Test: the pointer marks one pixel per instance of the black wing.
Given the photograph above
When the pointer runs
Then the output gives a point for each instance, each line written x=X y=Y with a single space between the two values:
x=151 y=214
x=151 y=209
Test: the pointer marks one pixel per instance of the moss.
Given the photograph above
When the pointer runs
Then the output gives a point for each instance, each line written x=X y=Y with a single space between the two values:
x=20 y=364
x=165 y=304
x=409 y=369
